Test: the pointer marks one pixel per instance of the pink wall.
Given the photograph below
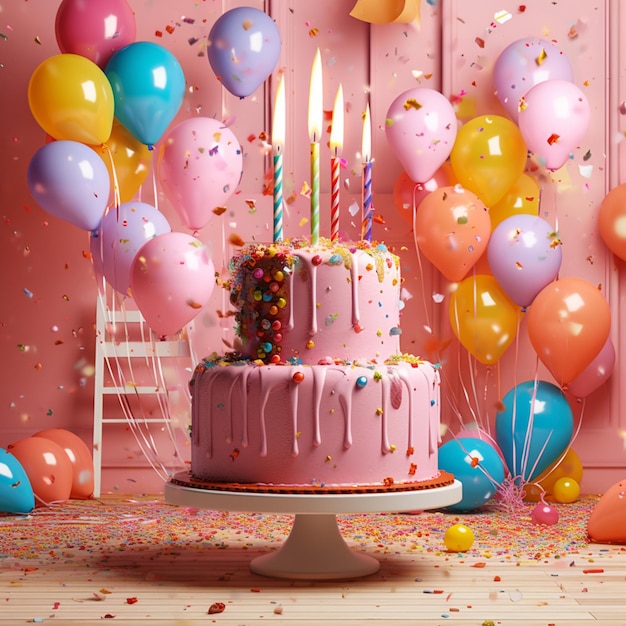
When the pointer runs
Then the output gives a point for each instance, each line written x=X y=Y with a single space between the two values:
x=47 y=312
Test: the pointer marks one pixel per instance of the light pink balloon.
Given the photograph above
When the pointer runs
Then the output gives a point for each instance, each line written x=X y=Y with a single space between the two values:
x=554 y=120
x=199 y=165
x=94 y=29
x=421 y=128
x=524 y=64
x=172 y=278
x=595 y=374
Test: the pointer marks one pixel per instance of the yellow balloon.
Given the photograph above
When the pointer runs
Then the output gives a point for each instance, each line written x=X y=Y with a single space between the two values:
x=566 y=490
x=130 y=158
x=71 y=98
x=570 y=466
x=488 y=156
x=522 y=197
x=483 y=318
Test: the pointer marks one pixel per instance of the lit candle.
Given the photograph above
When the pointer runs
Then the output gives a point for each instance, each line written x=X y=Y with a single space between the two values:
x=336 y=145
x=366 y=155
x=316 y=114
x=278 y=145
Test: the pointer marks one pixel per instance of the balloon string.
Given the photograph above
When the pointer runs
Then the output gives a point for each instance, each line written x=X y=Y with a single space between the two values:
x=116 y=187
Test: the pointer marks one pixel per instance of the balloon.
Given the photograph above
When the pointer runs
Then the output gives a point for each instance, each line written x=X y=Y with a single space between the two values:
x=612 y=221
x=568 y=324
x=568 y=465
x=407 y=194
x=122 y=233
x=199 y=165
x=488 y=157
x=94 y=29
x=172 y=278
x=476 y=465
x=524 y=64
x=80 y=458
x=534 y=428
x=595 y=374
x=71 y=98
x=421 y=128
x=130 y=161
x=607 y=522
x=522 y=197
x=452 y=229
x=458 y=538
x=47 y=466
x=566 y=490
x=524 y=255
x=554 y=120
x=16 y=494
x=243 y=49
x=70 y=181
x=483 y=318
x=544 y=514
x=148 y=86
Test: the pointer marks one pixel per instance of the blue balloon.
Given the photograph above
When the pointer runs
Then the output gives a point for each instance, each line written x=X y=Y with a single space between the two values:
x=534 y=428
x=244 y=47
x=148 y=89
x=16 y=493
x=477 y=466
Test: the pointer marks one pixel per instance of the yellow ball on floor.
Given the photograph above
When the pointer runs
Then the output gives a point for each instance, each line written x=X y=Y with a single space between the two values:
x=458 y=538
x=566 y=490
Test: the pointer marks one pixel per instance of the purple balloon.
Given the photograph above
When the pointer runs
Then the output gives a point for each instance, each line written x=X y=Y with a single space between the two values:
x=69 y=180
x=122 y=233
x=524 y=255
x=243 y=49
x=524 y=64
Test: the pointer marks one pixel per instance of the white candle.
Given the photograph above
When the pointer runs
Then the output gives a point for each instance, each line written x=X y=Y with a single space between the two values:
x=315 y=120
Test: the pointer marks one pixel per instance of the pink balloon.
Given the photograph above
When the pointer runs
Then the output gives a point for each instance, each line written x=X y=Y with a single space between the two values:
x=122 y=233
x=172 y=278
x=595 y=374
x=199 y=165
x=554 y=120
x=524 y=255
x=544 y=514
x=524 y=64
x=95 y=29
x=421 y=128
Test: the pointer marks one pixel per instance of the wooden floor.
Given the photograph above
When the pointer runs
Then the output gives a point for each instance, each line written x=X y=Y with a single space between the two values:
x=132 y=579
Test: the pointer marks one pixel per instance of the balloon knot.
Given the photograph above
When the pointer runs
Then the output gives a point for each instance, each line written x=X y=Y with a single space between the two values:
x=150 y=146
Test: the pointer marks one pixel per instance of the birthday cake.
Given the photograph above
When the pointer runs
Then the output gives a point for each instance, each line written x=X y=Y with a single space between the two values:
x=319 y=397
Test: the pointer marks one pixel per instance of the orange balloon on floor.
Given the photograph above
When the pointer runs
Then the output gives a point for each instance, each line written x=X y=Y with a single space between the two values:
x=607 y=522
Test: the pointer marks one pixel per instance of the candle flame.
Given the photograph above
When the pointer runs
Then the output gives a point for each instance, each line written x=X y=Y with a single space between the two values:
x=366 y=143
x=316 y=106
x=336 y=132
x=278 y=121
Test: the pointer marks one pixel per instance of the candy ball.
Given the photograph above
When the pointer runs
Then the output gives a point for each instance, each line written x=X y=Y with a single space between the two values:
x=566 y=490
x=458 y=538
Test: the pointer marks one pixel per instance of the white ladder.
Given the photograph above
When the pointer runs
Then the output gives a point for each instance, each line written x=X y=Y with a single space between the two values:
x=121 y=337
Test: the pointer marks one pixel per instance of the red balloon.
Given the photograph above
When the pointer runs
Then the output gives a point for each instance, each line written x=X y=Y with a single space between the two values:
x=80 y=457
x=47 y=466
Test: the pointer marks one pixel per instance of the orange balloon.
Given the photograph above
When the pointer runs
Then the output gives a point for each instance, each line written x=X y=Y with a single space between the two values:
x=452 y=229
x=607 y=522
x=488 y=156
x=80 y=457
x=522 y=197
x=131 y=161
x=483 y=317
x=612 y=221
x=568 y=324
x=570 y=466
x=47 y=466
x=408 y=195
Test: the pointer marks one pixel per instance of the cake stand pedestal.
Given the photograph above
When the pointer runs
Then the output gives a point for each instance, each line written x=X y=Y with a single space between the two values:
x=314 y=549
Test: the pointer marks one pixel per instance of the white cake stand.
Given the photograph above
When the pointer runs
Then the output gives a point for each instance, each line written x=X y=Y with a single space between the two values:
x=314 y=549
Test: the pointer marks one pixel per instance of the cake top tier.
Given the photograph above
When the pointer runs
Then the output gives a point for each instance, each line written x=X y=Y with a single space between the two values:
x=297 y=302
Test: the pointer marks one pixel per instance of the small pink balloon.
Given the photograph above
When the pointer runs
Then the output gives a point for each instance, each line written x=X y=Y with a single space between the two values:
x=95 y=29
x=544 y=514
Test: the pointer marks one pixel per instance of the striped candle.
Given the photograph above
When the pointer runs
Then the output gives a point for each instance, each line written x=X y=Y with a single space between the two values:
x=336 y=145
x=315 y=119
x=278 y=142
x=366 y=150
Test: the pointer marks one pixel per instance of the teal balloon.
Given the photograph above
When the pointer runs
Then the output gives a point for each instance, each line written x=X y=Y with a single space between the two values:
x=534 y=429
x=148 y=89
x=477 y=466
x=16 y=493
